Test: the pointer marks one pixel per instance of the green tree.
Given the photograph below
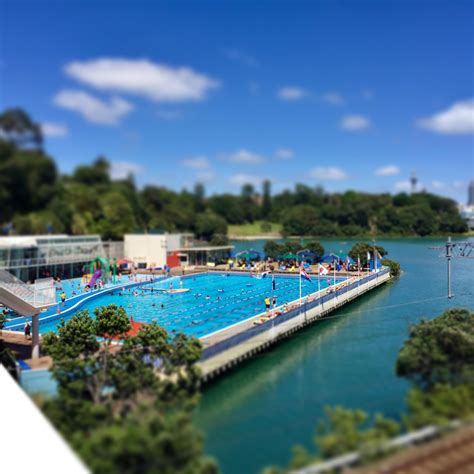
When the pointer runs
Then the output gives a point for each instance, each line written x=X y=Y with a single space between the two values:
x=266 y=199
x=440 y=350
x=127 y=410
x=273 y=249
x=209 y=224
x=393 y=265
x=360 y=250
x=316 y=248
x=111 y=321
x=19 y=129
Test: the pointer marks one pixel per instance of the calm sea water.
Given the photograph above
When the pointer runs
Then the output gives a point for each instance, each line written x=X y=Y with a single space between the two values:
x=254 y=415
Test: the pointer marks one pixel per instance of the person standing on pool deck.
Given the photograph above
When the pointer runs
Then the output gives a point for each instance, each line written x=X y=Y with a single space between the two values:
x=27 y=329
x=267 y=303
x=63 y=297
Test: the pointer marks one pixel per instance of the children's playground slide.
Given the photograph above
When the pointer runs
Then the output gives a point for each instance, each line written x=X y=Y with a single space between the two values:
x=96 y=275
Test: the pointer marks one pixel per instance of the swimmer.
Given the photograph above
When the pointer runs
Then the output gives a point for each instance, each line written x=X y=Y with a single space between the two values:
x=208 y=297
x=162 y=306
x=221 y=290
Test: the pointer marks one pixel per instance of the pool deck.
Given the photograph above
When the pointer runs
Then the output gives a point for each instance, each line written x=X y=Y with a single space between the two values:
x=228 y=347
x=231 y=345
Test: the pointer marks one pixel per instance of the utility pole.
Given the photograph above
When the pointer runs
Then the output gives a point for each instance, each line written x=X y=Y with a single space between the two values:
x=455 y=250
x=449 y=255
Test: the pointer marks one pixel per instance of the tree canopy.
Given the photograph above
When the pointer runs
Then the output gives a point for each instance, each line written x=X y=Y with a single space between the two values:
x=37 y=199
x=129 y=408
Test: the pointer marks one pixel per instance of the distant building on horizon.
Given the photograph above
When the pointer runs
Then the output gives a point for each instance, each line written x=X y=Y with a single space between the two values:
x=470 y=194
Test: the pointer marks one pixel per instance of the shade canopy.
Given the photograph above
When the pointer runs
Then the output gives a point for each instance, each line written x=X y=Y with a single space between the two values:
x=248 y=254
x=306 y=253
x=290 y=256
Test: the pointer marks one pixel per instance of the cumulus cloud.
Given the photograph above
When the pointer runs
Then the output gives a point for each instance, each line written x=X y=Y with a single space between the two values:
x=333 y=98
x=292 y=93
x=402 y=186
x=122 y=169
x=284 y=154
x=93 y=109
x=331 y=173
x=158 y=82
x=355 y=123
x=51 y=129
x=205 y=176
x=197 y=163
x=241 y=178
x=389 y=170
x=243 y=156
x=455 y=120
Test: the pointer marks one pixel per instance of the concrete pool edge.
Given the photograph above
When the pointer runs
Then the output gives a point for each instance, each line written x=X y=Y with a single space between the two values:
x=228 y=352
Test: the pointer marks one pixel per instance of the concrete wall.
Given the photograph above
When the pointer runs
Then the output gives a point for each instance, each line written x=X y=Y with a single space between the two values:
x=149 y=249
x=240 y=345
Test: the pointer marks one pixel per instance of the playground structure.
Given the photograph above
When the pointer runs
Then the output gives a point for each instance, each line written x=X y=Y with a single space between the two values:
x=99 y=269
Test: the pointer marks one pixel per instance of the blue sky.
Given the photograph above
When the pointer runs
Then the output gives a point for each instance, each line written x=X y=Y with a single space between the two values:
x=343 y=94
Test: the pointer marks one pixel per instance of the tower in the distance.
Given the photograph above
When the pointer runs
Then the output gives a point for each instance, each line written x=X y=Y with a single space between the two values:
x=470 y=194
x=413 y=182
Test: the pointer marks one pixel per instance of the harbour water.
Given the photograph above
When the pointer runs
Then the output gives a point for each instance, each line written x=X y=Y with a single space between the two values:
x=254 y=415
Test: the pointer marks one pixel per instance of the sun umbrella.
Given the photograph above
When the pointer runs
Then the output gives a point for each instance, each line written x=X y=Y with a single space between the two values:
x=329 y=258
x=248 y=254
x=290 y=256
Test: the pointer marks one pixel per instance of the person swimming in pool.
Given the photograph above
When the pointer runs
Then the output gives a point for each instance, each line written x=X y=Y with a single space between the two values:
x=162 y=306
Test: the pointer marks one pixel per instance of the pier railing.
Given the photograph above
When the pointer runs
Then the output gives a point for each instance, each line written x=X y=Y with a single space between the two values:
x=305 y=305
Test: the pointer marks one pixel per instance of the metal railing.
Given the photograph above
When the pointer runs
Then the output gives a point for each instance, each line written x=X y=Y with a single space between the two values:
x=238 y=338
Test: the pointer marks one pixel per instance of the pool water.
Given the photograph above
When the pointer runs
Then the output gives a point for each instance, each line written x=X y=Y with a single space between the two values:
x=214 y=301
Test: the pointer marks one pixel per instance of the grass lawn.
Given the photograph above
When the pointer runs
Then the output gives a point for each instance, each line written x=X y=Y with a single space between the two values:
x=248 y=230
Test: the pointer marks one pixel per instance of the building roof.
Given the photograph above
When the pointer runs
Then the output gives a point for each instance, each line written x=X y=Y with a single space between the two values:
x=204 y=248
x=23 y=241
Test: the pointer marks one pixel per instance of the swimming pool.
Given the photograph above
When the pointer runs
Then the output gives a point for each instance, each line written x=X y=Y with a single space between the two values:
x=214 y=301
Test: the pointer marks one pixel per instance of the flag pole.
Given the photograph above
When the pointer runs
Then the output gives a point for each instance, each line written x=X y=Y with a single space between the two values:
x=300 y=286
x=319 y=281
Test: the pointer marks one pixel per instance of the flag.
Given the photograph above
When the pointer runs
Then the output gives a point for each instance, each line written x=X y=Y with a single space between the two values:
x=322 y=270
x=273 y=282
x=304 y=274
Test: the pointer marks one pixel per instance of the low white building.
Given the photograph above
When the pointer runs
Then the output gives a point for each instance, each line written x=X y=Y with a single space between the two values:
x=158 y=250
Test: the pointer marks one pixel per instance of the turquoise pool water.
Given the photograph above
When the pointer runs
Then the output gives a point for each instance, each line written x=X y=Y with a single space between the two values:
x=213 y=302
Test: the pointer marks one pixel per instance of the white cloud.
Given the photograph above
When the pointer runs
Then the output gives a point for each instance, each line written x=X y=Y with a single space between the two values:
x=292 y=93
x=355 y=122
x=122 y=169
x=333 y=98
x=389 y=170
x=456 y=120
x=205 y=176
x=242 y=178
x=197 y=163
x=158 y=82
x=51 y=129
x=284 y=154
x=93 y=109
x=243 y=156
x=330 y=173
x=438 y=185
x=241 y=57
